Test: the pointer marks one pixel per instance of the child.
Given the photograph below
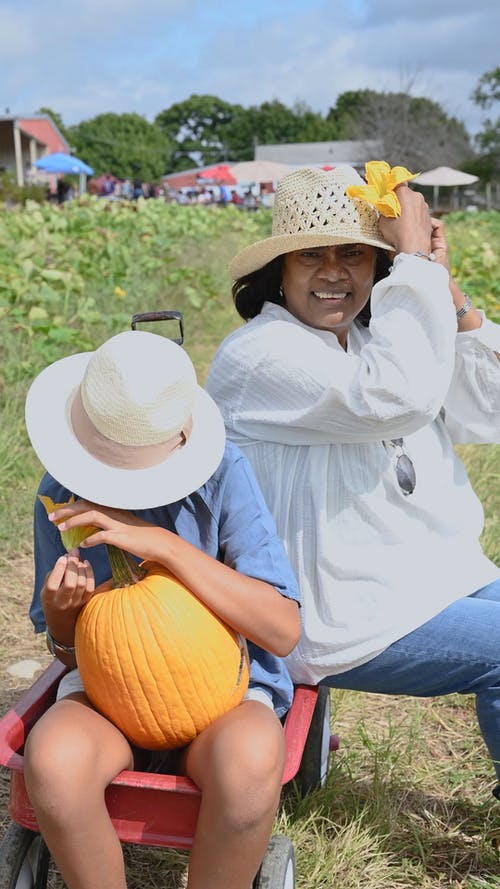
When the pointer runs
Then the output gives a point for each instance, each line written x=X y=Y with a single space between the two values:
x=127 y=426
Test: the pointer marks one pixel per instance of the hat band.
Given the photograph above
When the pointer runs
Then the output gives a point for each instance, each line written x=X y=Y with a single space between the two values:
x=119 y=455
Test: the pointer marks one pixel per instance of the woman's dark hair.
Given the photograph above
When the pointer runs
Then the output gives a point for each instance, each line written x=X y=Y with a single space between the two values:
x=250 y=292
x=382 y=268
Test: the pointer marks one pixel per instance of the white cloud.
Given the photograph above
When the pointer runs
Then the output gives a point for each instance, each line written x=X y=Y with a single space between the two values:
x=119 y=55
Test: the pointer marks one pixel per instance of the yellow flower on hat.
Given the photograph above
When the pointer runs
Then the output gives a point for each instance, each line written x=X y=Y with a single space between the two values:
x=72 y=538
x=382 y=180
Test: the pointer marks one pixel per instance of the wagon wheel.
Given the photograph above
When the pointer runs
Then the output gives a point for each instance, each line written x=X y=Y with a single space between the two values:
x=315 y=758
x=24 y=859
x=277 y=870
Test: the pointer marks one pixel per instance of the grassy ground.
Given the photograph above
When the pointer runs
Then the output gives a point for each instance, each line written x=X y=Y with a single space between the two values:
x=407 y=802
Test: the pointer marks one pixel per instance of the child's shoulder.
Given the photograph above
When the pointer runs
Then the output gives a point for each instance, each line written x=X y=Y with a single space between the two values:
x=233 y=460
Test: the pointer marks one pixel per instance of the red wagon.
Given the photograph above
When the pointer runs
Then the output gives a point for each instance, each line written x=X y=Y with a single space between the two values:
x=153 y=809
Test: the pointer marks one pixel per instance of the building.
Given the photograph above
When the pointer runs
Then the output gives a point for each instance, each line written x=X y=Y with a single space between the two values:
x=23 y=140
x=354 y=153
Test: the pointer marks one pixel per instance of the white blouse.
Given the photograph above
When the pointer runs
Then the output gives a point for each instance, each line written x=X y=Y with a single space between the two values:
x=372 y=563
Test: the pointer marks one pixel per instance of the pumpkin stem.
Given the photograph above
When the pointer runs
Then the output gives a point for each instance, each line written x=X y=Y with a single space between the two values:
x=126 y=571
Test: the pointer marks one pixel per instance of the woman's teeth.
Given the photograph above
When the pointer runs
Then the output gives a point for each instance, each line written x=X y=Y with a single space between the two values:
x=321 y=295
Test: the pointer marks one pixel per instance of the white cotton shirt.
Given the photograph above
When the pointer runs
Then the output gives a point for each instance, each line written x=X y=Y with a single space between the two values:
x=372 y=563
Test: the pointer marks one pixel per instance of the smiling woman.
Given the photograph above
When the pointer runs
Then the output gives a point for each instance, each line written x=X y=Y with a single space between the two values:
x=350 y=427
x=327 y=287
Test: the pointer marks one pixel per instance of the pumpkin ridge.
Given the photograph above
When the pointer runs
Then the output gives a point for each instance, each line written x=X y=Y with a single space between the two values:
x=205 y=712
x=208 y=686
x=146 y=707
x=118 y=677
x=180 y=657
x=162 y=690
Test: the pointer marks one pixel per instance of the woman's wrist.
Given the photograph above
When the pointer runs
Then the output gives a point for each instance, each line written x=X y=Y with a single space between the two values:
x=468 y=317
x=401 y=255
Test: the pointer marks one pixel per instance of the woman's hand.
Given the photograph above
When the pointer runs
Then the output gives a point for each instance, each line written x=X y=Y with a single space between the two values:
x=439 y=244
x=117 y=527
x=411 y=231
x=472 y=320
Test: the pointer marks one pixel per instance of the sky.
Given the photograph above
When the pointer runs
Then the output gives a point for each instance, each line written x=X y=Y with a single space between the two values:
x=93 y=56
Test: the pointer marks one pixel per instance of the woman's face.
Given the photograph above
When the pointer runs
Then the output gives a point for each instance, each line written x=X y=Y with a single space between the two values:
x=326 y=287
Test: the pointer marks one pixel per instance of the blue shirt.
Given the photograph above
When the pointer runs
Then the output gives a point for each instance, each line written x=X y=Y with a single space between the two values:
x=226 y=518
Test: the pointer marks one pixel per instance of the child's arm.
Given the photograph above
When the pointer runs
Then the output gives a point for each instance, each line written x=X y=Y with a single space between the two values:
x=252 y=607
x=65 y=590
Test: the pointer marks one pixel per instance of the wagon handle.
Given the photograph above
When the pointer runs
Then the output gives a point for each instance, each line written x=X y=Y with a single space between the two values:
x=167 y=315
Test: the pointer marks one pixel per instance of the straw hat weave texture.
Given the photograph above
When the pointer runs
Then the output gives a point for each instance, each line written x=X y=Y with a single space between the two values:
x=133 y=405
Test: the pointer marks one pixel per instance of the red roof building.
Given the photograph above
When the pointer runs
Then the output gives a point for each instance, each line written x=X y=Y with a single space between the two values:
x=23 y=140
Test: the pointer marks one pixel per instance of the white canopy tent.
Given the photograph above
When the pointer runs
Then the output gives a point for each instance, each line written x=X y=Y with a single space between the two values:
x=256 y=172
x=443 y=176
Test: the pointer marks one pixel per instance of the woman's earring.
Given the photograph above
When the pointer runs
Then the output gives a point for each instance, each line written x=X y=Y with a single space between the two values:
x=282 y=294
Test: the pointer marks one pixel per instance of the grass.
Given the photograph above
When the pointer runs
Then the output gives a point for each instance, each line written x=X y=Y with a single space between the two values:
x=407 y=802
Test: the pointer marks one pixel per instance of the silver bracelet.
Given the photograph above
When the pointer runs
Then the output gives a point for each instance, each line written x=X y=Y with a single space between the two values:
x=430 y=256
x=465 y=308
x=52 y=644
x=399 y=256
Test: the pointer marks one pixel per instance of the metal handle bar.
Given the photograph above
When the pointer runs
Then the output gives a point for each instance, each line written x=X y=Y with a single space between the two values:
x=167 y=315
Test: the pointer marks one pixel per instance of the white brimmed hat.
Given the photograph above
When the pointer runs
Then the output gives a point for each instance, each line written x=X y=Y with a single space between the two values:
x=311 y=209
x=126 y=426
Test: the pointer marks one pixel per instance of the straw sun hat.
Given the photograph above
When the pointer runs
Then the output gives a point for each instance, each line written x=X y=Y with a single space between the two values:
x=127 y=425
x=311 y=209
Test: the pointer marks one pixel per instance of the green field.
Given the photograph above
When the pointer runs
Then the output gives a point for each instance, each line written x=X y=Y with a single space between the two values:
x=407 y=802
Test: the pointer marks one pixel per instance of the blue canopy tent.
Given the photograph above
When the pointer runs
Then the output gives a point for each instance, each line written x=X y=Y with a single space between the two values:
x=65 y=163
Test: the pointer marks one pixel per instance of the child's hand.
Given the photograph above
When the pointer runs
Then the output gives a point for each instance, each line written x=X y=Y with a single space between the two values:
x=118 y=528
x=65 y=591
x=68 y=586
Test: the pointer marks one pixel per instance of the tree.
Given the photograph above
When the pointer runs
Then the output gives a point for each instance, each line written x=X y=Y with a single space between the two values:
x=488 y=89
x=197 y=126
x=312 y=126
x=208 y=130
x=126 y=145
x=273 y=123
x=486 y=95
x=412 y=131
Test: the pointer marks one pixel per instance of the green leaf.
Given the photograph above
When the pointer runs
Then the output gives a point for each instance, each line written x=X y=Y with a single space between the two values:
x=37 y=313
x=194 y=297
x=54 y=275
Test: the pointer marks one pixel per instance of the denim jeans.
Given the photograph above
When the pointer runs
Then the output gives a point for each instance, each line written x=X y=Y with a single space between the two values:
x=456 y=651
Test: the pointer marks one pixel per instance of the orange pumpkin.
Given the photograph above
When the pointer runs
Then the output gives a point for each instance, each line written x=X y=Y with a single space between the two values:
x=154 y=659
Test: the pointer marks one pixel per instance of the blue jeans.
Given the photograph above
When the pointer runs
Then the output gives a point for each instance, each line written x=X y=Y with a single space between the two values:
x=456 y=651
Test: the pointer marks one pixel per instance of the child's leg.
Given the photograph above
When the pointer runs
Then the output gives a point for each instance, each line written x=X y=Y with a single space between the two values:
x=71 y=755
x=238 y=764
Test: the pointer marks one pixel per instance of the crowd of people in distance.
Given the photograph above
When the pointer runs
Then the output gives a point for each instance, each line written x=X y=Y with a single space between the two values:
x=244 y=198
x=114 y=189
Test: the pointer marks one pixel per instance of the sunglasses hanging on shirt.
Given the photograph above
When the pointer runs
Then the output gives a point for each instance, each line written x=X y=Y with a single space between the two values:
x=405 y=470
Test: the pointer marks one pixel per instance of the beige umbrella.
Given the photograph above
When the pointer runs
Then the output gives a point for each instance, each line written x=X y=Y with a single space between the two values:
x=443 y=176
x=248 y=172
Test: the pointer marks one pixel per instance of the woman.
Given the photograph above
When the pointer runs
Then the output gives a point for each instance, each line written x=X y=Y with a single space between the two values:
x=350 y=421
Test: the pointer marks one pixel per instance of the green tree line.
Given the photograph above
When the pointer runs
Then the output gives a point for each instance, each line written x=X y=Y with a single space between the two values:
x=204 y=129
